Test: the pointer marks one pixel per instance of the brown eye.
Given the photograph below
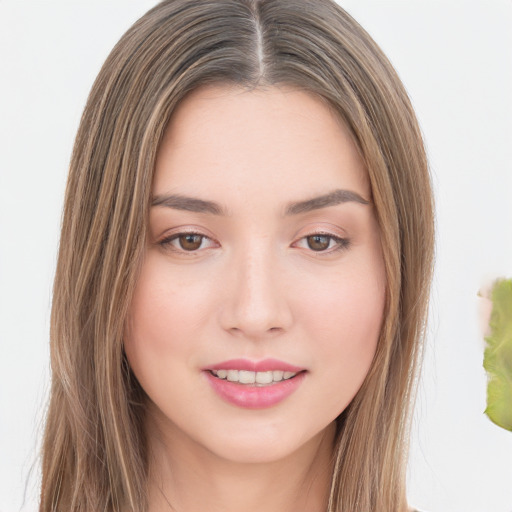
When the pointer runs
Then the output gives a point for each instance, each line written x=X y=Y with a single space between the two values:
x=323 y=243
x=190 y=242
x=319 y=242
x=187 y=242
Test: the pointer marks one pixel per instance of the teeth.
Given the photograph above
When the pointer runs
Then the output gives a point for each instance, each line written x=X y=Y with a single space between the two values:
x=264 y=377
x=277 y=375
x=233 y=375
x=248 y=377
x=245 y=377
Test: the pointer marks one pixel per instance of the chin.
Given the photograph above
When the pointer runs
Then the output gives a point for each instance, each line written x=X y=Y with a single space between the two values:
x=263 y=446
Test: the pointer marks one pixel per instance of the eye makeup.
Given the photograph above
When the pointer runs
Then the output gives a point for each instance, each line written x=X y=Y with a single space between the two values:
x=193 y=242
x=187 y=242
x=324 y=242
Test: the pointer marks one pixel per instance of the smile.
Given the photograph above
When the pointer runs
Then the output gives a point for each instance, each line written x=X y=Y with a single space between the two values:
x=254 y=385
x=249 y=377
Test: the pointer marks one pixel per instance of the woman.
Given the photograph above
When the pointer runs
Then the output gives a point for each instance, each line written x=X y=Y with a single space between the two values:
x=244 y=269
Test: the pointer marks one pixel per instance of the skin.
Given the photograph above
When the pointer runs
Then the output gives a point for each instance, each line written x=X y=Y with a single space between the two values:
x=253 y=286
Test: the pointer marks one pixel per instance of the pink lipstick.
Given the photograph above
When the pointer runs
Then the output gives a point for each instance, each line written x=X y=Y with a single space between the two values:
x=254 y=385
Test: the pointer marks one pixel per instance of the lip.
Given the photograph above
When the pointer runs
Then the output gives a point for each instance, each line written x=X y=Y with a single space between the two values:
x=265 y=365
x=254 y=397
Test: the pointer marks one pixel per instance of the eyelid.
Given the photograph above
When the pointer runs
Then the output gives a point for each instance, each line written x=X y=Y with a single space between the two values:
x=343 y=242
x=165 y=241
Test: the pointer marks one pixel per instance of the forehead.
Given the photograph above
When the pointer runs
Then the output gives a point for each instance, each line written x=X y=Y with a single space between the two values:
x=270 y=139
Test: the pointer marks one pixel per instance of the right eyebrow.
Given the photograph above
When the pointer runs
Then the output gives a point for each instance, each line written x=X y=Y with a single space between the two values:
x=189 y=204
x=333 y=198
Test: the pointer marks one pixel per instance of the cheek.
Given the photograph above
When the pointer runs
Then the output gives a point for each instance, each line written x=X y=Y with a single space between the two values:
x=163 y=312
x=349 y=302
x=344 y=318
x=349 y=319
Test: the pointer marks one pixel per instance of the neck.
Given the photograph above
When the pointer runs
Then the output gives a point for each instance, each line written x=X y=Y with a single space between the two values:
x=185 y=477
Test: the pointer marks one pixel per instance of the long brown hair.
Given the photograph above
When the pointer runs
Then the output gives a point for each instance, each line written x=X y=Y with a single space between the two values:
x=94 y=451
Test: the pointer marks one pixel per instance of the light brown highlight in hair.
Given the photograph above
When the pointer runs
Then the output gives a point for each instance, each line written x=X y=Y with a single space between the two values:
x=94 y=452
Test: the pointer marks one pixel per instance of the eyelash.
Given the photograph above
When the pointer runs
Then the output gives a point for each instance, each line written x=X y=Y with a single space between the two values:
x=167 y=242
x=341 y=243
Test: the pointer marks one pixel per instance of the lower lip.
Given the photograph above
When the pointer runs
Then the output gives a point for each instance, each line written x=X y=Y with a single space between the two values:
x=254 y=397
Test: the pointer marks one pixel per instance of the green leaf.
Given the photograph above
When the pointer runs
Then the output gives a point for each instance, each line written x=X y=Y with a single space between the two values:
x=498 y=356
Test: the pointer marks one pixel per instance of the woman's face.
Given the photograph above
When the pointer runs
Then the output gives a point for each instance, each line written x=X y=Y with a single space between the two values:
x=260 y=299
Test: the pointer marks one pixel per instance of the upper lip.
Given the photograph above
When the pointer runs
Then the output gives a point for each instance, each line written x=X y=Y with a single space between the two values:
x=264 y=365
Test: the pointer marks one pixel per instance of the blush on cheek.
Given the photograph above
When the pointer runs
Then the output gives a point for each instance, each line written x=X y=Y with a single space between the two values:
x=346 y=318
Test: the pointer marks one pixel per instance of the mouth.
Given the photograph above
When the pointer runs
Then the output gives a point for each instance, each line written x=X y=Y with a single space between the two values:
x=253 y=378
x=254 y=385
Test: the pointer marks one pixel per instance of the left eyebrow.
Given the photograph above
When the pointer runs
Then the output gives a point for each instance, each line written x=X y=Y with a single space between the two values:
x=190 y=204
x=333 y=198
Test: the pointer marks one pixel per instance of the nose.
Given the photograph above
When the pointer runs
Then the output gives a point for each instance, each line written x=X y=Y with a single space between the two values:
x=256 y=304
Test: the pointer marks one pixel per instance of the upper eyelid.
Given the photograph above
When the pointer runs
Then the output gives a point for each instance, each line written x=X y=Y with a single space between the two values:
x=199 y=233
x=174 y=236
x=323 y=232
x=176 y=232
x=336 y=238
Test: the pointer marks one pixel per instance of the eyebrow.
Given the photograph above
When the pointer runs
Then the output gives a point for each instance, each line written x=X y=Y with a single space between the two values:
x=333 y=198
x=189 y=204
x=193 y=204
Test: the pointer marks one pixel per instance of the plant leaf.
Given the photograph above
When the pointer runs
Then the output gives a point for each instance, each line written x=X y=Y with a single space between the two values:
x=498 y=356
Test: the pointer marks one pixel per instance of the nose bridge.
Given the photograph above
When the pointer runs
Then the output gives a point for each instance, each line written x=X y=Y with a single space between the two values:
x=258 y=303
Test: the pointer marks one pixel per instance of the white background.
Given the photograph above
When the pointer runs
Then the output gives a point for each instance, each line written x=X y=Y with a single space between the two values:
x=455 y=58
